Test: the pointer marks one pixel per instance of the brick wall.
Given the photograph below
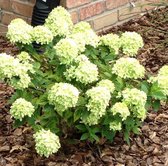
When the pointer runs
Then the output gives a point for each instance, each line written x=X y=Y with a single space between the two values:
x=99 y=13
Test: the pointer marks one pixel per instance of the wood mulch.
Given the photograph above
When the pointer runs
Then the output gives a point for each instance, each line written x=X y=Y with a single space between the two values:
x=150 y=148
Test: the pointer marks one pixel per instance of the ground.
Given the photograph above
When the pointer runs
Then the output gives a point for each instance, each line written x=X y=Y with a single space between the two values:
x=150 y=148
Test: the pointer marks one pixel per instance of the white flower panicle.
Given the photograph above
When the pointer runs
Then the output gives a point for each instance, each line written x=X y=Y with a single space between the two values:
x=130 y=43
x=99 y=98
x=163 y=71
x=47 y=142
x=135 y=99
x=112 y=41
x=63 y=96
x=42 y=35
x=161 y=79
x=85 y=32
x=21 y=108
x=128 y=68
x=81 y=27
x=7 y=66
x=85 y=71
x=163 y=84
x=59 y=22
x=140 y=113
x=24 y=57
x=107 y=84
x=66 y=50
x=115 y=125
x=121 y=109
x=17 y=72
x=19 y=32
x=79 y=40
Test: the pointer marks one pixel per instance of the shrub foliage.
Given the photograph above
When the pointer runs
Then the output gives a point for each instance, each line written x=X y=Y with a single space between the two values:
x=91 y=85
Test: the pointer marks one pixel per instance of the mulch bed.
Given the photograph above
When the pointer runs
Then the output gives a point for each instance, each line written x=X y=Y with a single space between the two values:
x=150 y=148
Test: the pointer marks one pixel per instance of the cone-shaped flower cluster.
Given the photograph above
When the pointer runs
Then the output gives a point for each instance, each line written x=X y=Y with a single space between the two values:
x=47 y=142
x=63 y=96
x=128 y=68
x=21 y=108
x=135 y=100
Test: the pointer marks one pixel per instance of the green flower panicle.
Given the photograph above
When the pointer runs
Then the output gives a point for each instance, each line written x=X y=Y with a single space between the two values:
x=135 y=99
x=66 y=50
x=19 y=32
x=112 y=41
x=63 y=96
x=47 y=142
x=15 y=71
x=24 y=57
x=130 y=43
x=99 y=98
x=42 y=35
x=21 y=108
x=81 y=27
x=84 y=30
x=121 y=109
x=107 y=84
x=128 y=68
x=161 y=80
x=59 y=22
x=163 y=71
x=84 y=72
x=115 y=125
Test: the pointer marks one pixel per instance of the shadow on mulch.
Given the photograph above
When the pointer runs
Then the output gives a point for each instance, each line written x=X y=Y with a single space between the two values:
x=150 y=148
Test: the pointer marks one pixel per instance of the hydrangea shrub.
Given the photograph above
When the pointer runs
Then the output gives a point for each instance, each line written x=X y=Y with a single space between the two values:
x=80 y=82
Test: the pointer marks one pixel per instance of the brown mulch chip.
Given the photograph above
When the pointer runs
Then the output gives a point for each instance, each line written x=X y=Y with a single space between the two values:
x=150 y=148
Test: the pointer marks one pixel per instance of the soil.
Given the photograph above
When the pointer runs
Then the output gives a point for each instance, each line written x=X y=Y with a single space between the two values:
x=150 y=148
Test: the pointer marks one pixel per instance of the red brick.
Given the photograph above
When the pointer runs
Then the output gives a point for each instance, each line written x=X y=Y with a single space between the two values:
x=111 y=4
x=129 y=12
x=75 y=3
x=22 y=8
x=32 y=1
x=3 y=30
x=5 y=4
x=7 y=17
x=105 y=20
x=74 y=16
x=91 y=10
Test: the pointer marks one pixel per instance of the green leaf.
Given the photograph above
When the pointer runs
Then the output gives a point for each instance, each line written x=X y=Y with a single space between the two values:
x=67 y=114
x=43 y=99
x=159 y=95
x=109 y=134
x=126 y=137
x=36 y=65
x=96 y=129
x=136 y=130
x=156 y=105
x=95 y=137
x=84 y=136
x=18 y=123
x=81 y=127
x=77 y=114
x=145 y=87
